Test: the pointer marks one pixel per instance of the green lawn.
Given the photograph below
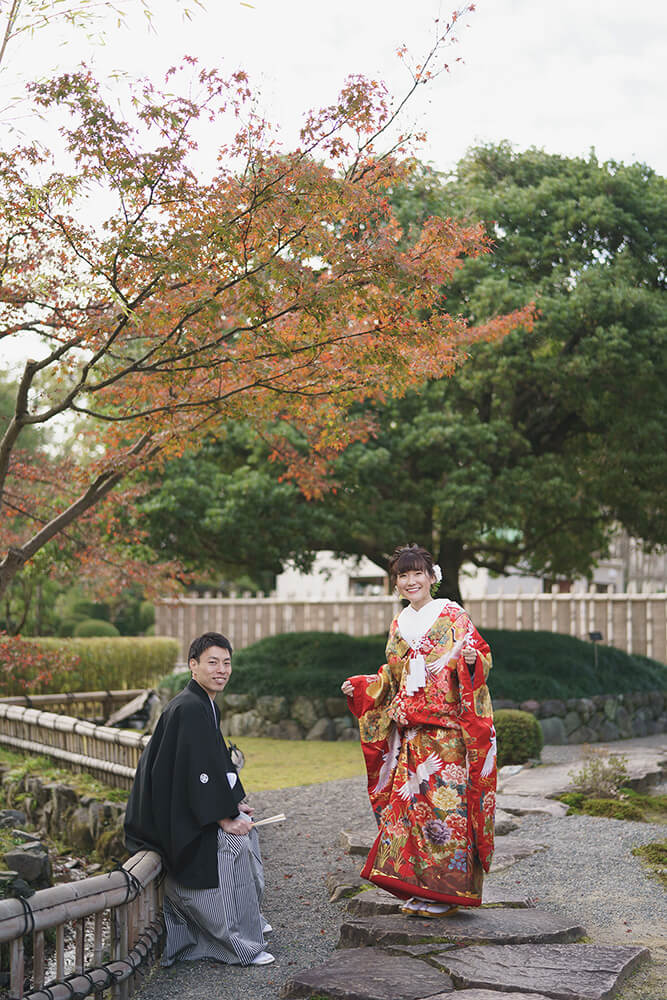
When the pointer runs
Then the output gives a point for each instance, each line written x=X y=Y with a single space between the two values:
x=284 y=763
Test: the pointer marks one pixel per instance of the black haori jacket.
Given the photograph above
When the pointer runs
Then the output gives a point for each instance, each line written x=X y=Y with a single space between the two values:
x=184 y=783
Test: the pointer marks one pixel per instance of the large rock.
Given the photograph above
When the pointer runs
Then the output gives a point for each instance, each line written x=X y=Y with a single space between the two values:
x=571 y=721
x=272 y=707
x=79 y=834
x=324 y=729
x=553 y=731
x=343 y=886
x=553 y=706
x=337 y=707
x=30 y=862
x=10 y=818
x=288 y=729
x=228 y=703
x=306 y=711
x=468 y=926
x=584 y=734
x=560 y=972
x=248 y=723
x=357 y=841
x=527 y=805
x=369 y=974
x=504 y=823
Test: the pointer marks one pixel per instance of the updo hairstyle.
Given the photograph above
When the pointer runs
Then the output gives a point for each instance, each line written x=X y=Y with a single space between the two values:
x=410 y=557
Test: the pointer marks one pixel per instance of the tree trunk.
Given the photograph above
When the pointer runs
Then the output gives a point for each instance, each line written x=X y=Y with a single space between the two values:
x=450 y=558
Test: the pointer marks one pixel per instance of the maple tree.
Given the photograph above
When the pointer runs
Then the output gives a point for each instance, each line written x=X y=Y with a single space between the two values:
x=275 y=290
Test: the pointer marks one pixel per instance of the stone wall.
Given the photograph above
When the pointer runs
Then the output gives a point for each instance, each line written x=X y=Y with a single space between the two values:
x=276 y=718
x=578 y=720
x=598 y=719
x=83 y=823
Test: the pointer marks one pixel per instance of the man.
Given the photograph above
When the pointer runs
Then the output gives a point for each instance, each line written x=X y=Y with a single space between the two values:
x=188 y=804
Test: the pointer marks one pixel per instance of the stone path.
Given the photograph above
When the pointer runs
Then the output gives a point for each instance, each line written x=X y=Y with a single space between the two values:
x=505 y=950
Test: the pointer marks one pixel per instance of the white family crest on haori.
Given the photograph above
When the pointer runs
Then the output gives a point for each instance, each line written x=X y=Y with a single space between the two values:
x=430 y=766
x=203 y=777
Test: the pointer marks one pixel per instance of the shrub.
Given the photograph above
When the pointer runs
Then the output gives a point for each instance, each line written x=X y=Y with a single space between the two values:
x=600 y=776
x=174 y=683
x=146 y=615
x=313 y=664
x=94 y=627
x=25 y=665
x=105 y=664
x=545 y=665
x=519 y=736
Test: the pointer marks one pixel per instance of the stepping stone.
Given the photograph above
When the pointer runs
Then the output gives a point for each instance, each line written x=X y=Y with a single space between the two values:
x=370 y=974
x=372 y=902
x=469 y=926
x=489 y=995
x=509 y=850
x=343 y=886
x=493 y=895
x=357 y=841
x=560 y=972
x=377 y=901
x=529 y=805
x=505 y=823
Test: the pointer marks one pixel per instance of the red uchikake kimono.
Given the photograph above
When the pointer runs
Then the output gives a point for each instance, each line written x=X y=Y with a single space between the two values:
x=430 y=751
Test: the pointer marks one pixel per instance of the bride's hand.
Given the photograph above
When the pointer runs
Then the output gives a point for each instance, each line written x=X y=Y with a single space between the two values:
x=470 y=655
x=347 y=688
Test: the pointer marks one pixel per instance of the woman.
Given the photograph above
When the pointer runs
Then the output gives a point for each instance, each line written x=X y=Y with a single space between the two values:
x=429 y=745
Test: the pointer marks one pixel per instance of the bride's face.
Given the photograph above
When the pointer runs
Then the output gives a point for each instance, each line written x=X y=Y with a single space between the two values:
x=415 y=586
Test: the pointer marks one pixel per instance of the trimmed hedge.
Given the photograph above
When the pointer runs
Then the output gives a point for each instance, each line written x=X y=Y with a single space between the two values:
x=519 y=736
x=527 y=665
x=90 y=627
x=98 y=664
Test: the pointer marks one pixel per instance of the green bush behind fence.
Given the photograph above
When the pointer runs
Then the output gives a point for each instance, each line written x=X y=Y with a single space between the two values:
x=53 y=666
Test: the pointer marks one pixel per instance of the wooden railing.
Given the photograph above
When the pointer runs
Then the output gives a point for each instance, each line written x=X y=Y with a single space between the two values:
x=111 y=755
x=636 y=623
x=126 y=934
x=96 y=703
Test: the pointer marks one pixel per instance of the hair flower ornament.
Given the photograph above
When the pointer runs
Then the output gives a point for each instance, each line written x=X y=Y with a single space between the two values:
x=437 y=573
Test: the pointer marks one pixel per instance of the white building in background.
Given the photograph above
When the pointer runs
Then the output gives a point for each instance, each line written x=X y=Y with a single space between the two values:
x=333 y=579
x=627 y=570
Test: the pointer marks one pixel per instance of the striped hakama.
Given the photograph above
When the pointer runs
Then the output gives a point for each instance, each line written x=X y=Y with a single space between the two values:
x=224 y=923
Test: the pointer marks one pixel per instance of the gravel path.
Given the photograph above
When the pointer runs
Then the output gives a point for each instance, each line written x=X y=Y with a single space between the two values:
x=588 y=872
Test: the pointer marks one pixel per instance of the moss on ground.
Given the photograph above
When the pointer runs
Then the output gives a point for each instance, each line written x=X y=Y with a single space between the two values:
x=630 y=805
x=19 y=766
x=654 y=856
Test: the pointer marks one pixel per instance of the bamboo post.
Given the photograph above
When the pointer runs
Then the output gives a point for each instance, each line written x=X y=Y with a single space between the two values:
x=79 y=946
x=17 y=969
x=60 y=951
x=98 y=924
x=38 y=959
x=115 y=947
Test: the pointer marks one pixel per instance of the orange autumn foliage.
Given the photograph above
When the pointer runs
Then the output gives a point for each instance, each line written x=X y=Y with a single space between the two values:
x=276 y=289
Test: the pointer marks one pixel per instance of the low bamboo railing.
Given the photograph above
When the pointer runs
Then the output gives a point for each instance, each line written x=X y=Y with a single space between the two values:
x=111 y=755
x=84 y=701
x=126 y=935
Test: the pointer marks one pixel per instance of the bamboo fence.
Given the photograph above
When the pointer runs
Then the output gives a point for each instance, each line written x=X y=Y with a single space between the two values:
x=636 y=623
x=110 y=755
x=99 y=704
x=127 y=932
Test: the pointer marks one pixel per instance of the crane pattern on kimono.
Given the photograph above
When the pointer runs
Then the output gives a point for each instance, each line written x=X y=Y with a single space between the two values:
x=418 y=780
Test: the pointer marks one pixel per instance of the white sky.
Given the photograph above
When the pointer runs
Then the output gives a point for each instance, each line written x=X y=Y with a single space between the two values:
x=560 y=74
